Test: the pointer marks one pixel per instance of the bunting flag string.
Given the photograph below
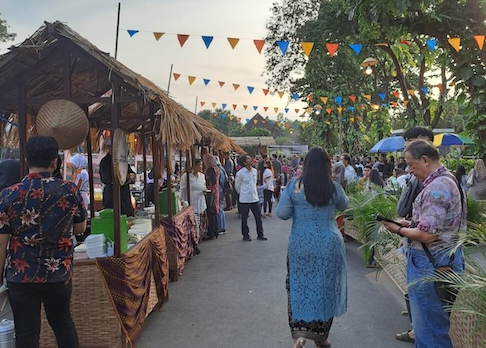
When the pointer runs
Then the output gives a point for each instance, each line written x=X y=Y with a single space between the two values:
x=306 y=47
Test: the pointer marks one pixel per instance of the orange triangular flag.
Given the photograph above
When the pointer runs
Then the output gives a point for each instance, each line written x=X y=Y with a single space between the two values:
x=362 y=108
x=276 y=110
x=310 y=97
x=265 y=108
x=236 y=86
x=411 y=91
x=233 y=42
x=176 y=76
x=191 y=79
x=280 y=94
x=182 y=39
x=221 y=83
x=455 y=42
x=394 y=104
x=405 y=102
x=158 y=35
x=234 y=106
x=307 y=47
x=214 y=104
x=352 y=98
x=328 y=110
x=367 y=96
x=297 y=111
x=245 y=106
x=332 y=48
x=324 y=99
x=480 y=41
x=288 y=125
x=396 y=94
x=239 y=119
x=339 y=109
x=352 y=119
x=231 y=118
x=259 y=45
x=263 y=121
x=202 y=103
x=265 y=91
x=255 y=121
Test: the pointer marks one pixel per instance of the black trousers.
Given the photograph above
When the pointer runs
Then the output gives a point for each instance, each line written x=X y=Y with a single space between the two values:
x=256 y=210
x=25 y=300
x=267 y=201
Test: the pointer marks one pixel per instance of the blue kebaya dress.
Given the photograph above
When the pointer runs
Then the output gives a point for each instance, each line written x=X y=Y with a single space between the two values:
x=316 y=281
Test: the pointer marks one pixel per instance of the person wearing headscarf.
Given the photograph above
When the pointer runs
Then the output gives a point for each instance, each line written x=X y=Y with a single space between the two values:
x=338 y=170
x=477 y=181
x=223 y=177
x=212 y=198
x=81 y=177
x=9 y=173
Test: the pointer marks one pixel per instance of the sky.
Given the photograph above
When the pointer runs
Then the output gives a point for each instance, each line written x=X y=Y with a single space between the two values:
x=222 y=19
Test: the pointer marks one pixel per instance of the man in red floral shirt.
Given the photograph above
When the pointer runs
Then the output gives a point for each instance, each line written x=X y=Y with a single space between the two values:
x=37 y=219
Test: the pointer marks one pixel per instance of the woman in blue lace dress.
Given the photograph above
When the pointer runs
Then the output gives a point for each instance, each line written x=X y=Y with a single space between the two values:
x=316 y=281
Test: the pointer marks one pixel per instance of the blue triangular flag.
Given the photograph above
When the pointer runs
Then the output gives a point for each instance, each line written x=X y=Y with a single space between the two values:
x=384 y=105
x=295 y=96
x=247 y=120
x=286 y=110
x=255 y=108
x=382 y=96
x=295 y=125
x=356 y=48
x=284 y=45
x=344 y=120
x=351 y=108
x=132 y=32
x=250 y=89
x=206 y=81
x=223 y=116
x=425 y=89
x=207 y=40
x=338 y=100
x=224 y=106
x=431 y=43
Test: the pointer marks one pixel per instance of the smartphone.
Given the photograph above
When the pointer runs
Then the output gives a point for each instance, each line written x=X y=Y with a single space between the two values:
x=382 y=218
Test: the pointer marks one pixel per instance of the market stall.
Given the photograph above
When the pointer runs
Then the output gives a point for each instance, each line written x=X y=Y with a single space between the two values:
x=56 y=63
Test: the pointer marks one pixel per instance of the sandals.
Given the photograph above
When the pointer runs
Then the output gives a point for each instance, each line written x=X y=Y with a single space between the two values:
x=326 y=343
x=405 y=336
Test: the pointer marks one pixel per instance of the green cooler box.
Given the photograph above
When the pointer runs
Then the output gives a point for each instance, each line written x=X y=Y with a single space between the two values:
x=104 y=224
x=164 y=205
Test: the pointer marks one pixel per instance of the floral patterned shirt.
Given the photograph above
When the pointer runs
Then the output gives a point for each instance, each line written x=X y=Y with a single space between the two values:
x=438 y=209
x=39 y=213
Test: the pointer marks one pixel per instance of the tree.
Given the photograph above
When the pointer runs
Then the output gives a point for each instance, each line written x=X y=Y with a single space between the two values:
x=223 y=121
x=5 y=35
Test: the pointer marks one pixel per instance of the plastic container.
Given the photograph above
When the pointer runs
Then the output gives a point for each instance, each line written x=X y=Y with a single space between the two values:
x=104 y=224
x=163 y=204
x=7 y=334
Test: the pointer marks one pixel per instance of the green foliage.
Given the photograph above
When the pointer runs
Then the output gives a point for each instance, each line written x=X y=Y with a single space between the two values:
x=283 y=141
x=5 y=35
x=256 y=132
x=452 y=163
x=362 y=210
x=223 y=121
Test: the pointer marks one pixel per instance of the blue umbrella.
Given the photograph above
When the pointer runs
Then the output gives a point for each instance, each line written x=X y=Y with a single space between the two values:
x=390 y=144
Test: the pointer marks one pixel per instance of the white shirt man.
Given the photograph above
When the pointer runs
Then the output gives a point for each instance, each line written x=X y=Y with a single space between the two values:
x=246 y=186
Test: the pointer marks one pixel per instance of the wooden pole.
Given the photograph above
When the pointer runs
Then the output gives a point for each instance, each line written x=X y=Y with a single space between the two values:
x=89 y=151
x=117 y=30
x=170 y=78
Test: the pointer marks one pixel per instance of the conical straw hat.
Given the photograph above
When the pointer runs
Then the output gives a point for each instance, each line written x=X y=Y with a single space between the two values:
x=64 y=121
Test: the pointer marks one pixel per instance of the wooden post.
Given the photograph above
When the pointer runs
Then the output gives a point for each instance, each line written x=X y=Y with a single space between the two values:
x=143 y=137
x=89 y=151
x=168 y=170
x=115 y=113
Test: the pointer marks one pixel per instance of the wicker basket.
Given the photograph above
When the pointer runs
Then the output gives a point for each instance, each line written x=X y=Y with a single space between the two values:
x=464 y=331
x=64 y=121
x=92 y=310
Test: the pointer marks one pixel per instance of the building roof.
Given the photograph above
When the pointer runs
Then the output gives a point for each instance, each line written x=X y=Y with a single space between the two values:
x=254 y=141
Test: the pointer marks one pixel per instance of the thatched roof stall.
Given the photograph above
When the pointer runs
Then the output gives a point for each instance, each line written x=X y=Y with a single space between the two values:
x=254 y=141
x=57 y=63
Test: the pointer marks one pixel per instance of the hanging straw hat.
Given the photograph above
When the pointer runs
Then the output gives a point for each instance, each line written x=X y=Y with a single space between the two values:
x=64 y=121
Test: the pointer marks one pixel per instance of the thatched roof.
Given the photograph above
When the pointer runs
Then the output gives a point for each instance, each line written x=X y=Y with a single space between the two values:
x=254 y=141
x=56 y=54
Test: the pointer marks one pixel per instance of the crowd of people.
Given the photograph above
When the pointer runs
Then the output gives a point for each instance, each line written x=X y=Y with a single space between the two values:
x=309 y=190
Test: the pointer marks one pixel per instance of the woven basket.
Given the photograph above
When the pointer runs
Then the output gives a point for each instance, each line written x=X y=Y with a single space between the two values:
x=92 y=310
x=64 y=121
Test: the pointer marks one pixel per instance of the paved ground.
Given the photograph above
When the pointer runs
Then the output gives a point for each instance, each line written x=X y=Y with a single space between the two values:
x=233 y=295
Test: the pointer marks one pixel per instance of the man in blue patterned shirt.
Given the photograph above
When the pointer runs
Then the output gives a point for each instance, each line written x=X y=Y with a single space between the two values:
x=37 y=219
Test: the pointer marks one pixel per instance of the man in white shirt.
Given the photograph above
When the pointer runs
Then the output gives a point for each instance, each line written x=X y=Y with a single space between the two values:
x=349 y=172
x=246 y=186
